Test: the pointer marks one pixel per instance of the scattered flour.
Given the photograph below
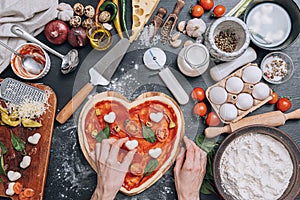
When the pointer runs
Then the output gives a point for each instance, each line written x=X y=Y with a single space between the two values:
x=70 y=173
x=126 y=84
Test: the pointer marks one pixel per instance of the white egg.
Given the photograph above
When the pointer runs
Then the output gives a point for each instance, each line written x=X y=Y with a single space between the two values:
x=261 y=91
x=252 y=74
x=234 y=85
x=244 y=101
x=228 y=112
x=218 y=95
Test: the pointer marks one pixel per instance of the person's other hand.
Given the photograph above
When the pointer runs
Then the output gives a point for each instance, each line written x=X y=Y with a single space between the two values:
x=111 y=172
x=189 y=171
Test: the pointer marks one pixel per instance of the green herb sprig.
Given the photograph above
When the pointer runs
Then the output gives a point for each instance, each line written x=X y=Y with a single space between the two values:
x=207 y=145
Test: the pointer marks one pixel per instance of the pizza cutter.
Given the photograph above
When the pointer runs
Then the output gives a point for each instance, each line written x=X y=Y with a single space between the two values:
x=155 y=59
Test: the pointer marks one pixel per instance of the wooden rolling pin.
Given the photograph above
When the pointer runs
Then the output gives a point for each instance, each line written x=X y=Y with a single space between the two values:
x=275 y=118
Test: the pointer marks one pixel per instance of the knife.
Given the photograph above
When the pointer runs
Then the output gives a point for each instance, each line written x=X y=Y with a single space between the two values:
x=100 y=74
x=275 y=118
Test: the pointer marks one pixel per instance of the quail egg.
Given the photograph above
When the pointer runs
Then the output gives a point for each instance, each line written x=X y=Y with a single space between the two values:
x=261 y=91
x=252 y=74
x=218 y=95
x=228 y=112
x=244 y=101
x=234 y=85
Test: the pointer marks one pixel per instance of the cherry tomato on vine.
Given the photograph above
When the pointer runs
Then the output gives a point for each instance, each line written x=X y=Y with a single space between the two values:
x=198 y=94
x=283 y=104
x=219 y=11
x=274 y=98
x=212 y=119
x=197 y=11
x=200 y=109
x=207 y=4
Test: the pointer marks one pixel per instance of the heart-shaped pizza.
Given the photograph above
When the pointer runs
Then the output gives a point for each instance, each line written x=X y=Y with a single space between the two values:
x=154 y=124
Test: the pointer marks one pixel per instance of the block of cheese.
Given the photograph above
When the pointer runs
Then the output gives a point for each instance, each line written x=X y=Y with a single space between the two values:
x=141 y=13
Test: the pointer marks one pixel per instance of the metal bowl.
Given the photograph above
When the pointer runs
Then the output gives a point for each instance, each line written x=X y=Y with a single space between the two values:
x=292 y=190
x=294 y=13
x=16 y=63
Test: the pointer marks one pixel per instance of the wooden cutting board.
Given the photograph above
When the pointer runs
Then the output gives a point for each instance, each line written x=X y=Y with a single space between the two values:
x=35 y=175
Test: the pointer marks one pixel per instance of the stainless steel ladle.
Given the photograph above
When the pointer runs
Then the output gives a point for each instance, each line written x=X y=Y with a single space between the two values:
x=69 y=61
x=28 y=63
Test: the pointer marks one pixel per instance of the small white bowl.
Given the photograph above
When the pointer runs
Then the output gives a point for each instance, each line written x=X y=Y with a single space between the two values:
x=38 y=52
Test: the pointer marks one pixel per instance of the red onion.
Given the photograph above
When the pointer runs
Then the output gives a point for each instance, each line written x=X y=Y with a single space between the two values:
x=77 y=37
x=56 y=31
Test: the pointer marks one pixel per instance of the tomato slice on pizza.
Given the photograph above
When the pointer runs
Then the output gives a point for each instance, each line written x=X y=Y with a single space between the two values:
x=153 y=123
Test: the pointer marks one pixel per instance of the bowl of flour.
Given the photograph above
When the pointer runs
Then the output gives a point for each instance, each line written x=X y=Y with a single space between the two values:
x=257 y=162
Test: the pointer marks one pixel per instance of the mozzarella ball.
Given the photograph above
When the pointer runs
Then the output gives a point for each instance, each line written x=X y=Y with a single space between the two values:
x=228 y=112
x=218 y=95
x=252 y=74
x=244 y=101
x=261 y=91
x=234 y=85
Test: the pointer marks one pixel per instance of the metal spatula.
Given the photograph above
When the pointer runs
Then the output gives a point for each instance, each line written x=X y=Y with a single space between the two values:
x=17 y=92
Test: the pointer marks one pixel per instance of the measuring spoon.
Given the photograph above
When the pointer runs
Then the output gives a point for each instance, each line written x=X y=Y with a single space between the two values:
x=28 y=63
x=155 y=59
x=69 y=61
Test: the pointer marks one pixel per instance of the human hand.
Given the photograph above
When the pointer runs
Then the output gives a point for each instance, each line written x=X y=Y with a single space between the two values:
x=189 y=170
x=111 y=172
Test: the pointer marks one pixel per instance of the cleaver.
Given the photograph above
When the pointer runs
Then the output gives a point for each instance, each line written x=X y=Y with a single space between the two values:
x=100 y=74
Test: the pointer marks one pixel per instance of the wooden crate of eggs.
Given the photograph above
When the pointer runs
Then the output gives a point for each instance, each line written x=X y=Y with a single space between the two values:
x=239 y=94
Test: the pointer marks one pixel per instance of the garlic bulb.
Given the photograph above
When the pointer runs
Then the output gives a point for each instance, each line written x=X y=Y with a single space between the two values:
x=195 y=27
x=65 y=12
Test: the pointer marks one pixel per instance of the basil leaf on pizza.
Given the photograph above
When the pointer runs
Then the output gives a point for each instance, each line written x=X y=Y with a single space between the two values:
x=148 y=134
x=104 y=134
x=150 y=167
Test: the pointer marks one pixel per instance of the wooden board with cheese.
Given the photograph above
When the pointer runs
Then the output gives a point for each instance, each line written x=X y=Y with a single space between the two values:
x=36 y=147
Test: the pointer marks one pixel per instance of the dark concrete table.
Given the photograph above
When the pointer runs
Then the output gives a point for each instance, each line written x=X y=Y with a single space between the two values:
x=69 y=174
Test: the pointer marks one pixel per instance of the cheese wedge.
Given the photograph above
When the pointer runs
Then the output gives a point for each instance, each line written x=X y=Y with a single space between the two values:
x=141 y=13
